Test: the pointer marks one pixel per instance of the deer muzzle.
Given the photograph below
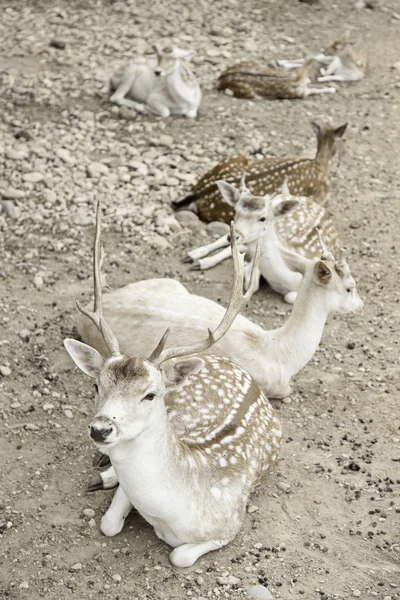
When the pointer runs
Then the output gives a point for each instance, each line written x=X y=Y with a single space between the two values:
x=102 y=430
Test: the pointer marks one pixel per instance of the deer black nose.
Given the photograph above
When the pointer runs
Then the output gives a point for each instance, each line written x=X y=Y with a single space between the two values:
x=100 y=435
x=158 y=72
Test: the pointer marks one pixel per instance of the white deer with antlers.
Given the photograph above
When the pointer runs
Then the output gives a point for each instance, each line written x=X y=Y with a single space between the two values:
x=188 y=437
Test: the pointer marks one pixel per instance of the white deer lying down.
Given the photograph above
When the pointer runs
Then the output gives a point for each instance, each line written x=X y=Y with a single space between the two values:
x=165 y=84
x=188 y=440
x=271 y=221
x=140 y=312
x=345 y=62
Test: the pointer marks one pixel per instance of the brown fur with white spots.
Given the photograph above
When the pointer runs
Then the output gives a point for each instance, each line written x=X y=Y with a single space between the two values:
x=305 y=177
x=251 y=80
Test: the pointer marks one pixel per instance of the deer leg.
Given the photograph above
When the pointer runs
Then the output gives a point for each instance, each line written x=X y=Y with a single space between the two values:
x=114 y=519
x=291 y=64
x=187 y=554
x=158 y=107
x=202 y=251
x=103 y=481
x=101 y=460
x=107 y=87
x=322 y=90
x=332 y=78
x=279 y=393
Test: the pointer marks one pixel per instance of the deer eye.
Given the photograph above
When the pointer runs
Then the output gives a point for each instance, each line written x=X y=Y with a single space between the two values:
x=96 y=388
x=349 y=290
x=262 y=219
x=150 y=396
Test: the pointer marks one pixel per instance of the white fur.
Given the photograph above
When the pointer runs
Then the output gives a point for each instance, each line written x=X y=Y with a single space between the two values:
x=166 y=94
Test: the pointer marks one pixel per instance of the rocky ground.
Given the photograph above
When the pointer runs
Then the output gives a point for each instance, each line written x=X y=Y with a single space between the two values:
x=326 y=523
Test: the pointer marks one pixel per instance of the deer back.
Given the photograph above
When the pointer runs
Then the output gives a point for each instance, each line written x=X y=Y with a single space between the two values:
x=224 y=421
x=297 y=229
x=304 y=176
x=249 y=79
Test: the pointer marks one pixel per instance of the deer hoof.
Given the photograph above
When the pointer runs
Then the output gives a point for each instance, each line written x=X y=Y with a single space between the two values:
x=196 y=266
x=187 y=259
x=101 y=460
x=95 y=484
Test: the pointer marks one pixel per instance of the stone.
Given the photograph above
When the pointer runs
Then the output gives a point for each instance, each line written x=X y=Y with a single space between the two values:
x=33 y=177
x=158 y=241
x=65 y=156
x=88 y=512
x=259 y=592
x=166 y=140
x=25 y=335
x=96 y=170
x=24 y=585
x=31 y=427
x=47 y=407
x=76 y=567
x=68 y=414
x=117 y=578
x=5 y=371
x=356 y=593
x=12 y=194
x=252 y=509
x=38 y=282
x=17 y=153
x=58 y=44
x=186 y=216
x=217 y=227
x=8 y=208
x=228 y=580
x=281 y=485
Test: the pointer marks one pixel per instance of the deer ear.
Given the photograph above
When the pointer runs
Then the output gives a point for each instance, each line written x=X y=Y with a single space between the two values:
x=229 y=193
x=322 y=273
x=185 y=54
x=339 y=131
x=284 y=207
x=285 y=188
x=176 y=375
x=316 y=128
x=86 y=358
x=295 y=262
x=157 y=48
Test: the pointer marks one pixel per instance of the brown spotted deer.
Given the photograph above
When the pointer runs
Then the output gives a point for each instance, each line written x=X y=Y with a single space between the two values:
x=140 y=312
x=251 y=80
x=270 y=222
x=188 y=436
x=305 y=177
x=345 y=62
x=162 y=86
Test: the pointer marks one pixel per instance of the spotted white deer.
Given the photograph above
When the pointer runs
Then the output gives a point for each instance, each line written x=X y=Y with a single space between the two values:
x=271 y=221
x=188 y=436
x=163 y=86
x=140 y=312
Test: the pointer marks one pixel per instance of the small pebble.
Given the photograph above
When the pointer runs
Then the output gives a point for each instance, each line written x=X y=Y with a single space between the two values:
x=76 y=567
x=89 y=512
x=252 y=509
x=5 y=371
x=285 y=487
x=117 y=578
x=259 y=592
x=24 y=585
x=356 y=593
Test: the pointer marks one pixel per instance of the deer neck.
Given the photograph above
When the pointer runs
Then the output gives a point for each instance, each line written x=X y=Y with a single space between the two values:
x=324 y=156
x=148 y=467
x=297 y=341
x=177 y=85
x=271 y=264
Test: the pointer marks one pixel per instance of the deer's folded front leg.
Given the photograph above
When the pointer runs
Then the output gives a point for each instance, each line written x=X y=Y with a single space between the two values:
x=114 y=519
x=187 y=554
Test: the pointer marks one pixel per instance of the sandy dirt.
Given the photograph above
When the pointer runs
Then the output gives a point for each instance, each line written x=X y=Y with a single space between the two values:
x=332 y=532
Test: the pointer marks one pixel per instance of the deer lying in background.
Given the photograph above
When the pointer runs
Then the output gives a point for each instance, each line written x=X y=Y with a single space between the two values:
x=140 y=312
x=251 y=80
x=166 y=84
x=188 y=440
x=270 y=222
x=345 y=62
x=305 y=177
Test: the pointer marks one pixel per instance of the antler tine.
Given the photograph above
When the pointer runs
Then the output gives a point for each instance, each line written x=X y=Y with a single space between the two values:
x=325 y=253
x=340 y=260
x=243 y=188
x=237 y=302
x=97 y=315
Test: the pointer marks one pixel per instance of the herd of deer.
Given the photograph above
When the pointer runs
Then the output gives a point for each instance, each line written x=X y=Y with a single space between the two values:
x=189 y=429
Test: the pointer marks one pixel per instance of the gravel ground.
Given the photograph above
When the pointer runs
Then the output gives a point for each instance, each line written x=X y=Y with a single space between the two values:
x=326 y=523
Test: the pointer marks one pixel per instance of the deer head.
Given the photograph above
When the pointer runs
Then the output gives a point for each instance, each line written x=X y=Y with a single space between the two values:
x=328 y=138
x=329 y=276
x=254 y=215
x=130 y=390
x=168 y=59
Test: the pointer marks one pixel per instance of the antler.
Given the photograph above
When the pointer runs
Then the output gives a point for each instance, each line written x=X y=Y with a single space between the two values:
x=243 y=188
x=237 y=303
x=325 y=253
x=97 y=316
